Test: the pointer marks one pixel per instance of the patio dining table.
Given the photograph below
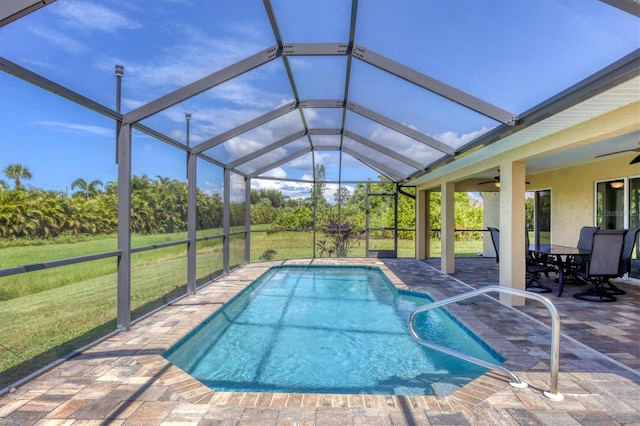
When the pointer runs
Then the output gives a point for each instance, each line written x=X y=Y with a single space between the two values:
x=558 y=251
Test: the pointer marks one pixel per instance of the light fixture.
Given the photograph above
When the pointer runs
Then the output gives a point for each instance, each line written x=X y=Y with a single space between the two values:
x=187 y=116
x=617 y=184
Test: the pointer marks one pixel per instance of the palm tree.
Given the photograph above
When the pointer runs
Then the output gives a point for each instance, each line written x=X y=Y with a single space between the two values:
x=17 y=172
x=88 y=190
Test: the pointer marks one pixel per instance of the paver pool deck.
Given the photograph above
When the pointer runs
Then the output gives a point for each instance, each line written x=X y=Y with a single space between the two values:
x=124 y=380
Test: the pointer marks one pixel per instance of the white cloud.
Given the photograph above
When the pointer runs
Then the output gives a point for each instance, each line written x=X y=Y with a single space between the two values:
x=131 y=104
x=211 y=188
x=303 y=163
x=239 y=147
x=278 y=172
x=79 y=128
x=293 y=190
x=178 y=134
x=264 y=135
x=414 y=149
x=64 y=42
x=195 y=55
x=93 y=17
x=456 y=140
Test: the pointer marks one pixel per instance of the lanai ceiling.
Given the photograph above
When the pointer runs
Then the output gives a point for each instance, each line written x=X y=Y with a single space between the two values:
x=395 y=88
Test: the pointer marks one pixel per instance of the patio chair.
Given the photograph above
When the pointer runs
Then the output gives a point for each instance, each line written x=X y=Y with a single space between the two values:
x=533 y=268
x=577 y=262
x=625 y=263
x=603 y=264
x=495 y=239
x=536 y=266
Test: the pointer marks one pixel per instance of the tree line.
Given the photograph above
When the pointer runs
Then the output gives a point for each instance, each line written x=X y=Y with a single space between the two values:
x=159 y=205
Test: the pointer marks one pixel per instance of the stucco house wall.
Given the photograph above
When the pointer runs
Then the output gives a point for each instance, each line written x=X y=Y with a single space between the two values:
x=573 y=194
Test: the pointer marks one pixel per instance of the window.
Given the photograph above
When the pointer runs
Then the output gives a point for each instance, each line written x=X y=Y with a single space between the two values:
x=610 y=204
x=538 y=216
x=618 y=207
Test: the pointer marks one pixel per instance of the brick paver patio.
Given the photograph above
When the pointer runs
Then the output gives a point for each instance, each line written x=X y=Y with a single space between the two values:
x=125 y=380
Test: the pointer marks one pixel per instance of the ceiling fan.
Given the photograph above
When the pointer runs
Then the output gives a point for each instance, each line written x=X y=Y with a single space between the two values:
x=635 y=160
x=495 y=181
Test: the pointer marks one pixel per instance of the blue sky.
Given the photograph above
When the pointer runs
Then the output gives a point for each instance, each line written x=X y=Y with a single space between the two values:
x=514 y=54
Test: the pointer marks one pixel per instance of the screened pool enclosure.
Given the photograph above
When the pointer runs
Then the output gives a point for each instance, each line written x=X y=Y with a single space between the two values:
x=267 y=129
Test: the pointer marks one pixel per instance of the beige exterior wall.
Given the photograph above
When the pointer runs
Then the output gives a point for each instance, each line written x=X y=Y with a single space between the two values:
x=573 y=191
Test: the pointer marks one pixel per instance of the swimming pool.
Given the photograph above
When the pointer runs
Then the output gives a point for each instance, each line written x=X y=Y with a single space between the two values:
x=327 y=329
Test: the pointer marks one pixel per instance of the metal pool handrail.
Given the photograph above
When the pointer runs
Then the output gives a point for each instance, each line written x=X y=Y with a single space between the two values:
x=555 y=335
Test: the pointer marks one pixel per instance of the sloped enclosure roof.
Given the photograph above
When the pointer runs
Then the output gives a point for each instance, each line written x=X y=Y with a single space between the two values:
x=379 y=87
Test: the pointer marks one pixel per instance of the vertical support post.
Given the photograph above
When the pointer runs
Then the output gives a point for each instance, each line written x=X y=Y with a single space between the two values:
x=226 y=221
x=512 y=228
x=119 y=75
x=315 y=203
x=395 y=222
x=192 y=212
x=192 y=217
x=367 y=220
x=427 y=224
x=448 y=228
x=123 y=160
x=423 y=224
x=124 y=228
x=420 y=240
x=247 y=220
x=187 y=117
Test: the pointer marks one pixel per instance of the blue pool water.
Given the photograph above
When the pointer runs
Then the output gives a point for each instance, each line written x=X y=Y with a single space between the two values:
x=324 y=329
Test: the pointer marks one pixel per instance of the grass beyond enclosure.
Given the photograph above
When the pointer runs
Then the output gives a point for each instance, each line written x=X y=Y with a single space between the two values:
x=47 y=314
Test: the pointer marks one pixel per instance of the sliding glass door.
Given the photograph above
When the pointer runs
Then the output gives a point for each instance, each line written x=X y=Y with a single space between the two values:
x=634 y=223
x=618 y=207
x=538 y=216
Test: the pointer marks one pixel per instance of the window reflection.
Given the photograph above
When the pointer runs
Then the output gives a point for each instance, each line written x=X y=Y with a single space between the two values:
x=610 y=204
